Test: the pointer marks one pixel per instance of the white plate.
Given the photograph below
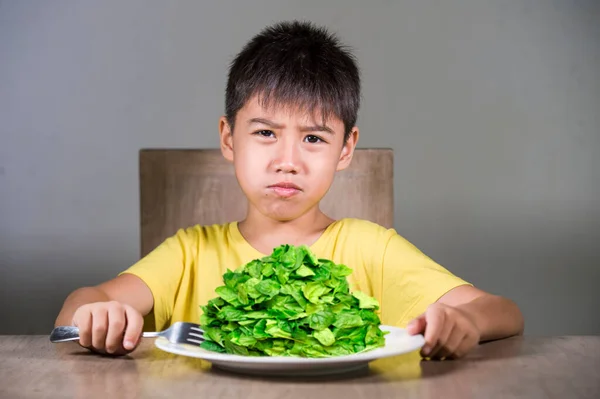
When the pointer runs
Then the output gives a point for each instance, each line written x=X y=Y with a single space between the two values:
x=397 y=342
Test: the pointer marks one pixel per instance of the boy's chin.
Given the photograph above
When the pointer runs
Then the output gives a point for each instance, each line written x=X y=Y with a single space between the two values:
x=282 y=216
x=285 y=212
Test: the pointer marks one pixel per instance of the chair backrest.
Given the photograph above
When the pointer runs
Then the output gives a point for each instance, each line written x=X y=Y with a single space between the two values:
x=181 y=188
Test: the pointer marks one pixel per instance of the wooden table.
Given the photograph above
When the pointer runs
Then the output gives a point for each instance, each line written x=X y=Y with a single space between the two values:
x=527 y=367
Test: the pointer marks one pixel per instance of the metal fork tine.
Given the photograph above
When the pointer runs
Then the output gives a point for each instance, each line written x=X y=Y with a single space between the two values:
x=188 y=333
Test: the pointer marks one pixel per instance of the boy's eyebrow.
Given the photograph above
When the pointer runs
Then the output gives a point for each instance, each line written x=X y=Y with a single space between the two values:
x=313 y=128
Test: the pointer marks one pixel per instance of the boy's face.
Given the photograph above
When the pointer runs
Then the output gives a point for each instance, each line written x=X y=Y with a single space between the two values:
x=285 y=159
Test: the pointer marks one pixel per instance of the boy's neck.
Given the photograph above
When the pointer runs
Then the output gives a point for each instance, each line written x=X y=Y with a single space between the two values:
x=264 y=233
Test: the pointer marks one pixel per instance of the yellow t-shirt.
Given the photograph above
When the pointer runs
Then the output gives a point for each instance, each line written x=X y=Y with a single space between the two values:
x=185 y=269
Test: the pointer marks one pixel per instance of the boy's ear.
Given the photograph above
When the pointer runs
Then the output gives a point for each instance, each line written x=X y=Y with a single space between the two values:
x=226 y=139
x=348 y=150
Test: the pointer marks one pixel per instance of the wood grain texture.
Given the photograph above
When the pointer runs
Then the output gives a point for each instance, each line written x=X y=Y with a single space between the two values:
x=180 y=188
x=520 y=367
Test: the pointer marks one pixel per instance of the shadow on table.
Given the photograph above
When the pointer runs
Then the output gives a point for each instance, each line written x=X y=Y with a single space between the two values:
x=505 y=349
x=102 y=376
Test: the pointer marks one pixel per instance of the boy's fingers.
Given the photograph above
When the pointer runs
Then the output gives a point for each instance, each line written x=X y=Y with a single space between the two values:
x=135 y=323
x=444 y=337
x=453 y=349
x=83 y=321
x=416 y=326
x=453 y=342
x=116 y=326
x=435 y=324
x=465 y=346
x=99 y=328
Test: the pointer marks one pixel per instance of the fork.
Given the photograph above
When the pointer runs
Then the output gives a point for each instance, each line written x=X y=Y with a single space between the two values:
x=178 y=333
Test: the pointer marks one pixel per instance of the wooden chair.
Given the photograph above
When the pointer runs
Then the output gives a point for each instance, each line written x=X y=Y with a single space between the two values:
x=181 y=188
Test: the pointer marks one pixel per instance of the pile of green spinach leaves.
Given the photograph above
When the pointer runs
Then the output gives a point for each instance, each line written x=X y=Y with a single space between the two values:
x=290 y=304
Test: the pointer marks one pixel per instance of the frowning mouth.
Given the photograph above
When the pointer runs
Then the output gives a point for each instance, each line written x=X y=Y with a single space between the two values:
x=285 y=189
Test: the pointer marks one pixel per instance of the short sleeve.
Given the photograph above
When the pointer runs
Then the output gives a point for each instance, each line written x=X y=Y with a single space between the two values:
x=162 y=271
x=411 y=281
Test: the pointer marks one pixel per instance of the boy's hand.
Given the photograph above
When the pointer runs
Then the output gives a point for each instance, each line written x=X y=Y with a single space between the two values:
x=108 y=327
x=450 y=332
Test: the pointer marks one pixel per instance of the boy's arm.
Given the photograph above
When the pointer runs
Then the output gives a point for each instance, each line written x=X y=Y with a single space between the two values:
x=495 y=316
x=462 y=318
x=126 y=289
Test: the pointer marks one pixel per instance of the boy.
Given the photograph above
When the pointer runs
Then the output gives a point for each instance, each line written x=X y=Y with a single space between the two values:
x=292 y=99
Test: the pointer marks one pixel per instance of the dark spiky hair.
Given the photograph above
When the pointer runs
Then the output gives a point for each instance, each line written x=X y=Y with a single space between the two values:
x=296 y=64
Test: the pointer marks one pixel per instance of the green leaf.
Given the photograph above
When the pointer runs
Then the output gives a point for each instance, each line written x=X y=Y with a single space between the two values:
x=283 y=314
x=325 y=337
x=373 y=336
x=354 y=334
x=254 y=269
x=267 y=270
x=277 y=349
x=340 y=271
x=278 y=328
x=244 y=340
x=208 y=321
x=304 y=271
x=243 y=294
x=314 y=308
x=257 y=314
x=293 y=307
x=338 y=285
x=251 y=288
x=268 y=287
x=309 y=258
x=340 y=350
x=366 y=302
x=296 y=293
x=215 y=335
x=278 y=252
x=339 y=307
x=230 y=313
x=282 y=274
x=299 y=335
x=313 y=291
x=313 y=348
x=211 y=346
x=234 y=349
x=259 y=330
x=216 y=303
x=232 y=279
x=346 y=299
x=289 y=260
x=321 y=320
x=368 y=316
x=348 y=320
x=322 y=273
x=228 y=294
x=231 y=326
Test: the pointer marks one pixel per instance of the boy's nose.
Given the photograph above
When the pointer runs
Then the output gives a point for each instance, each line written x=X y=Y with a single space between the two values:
x=287 y=160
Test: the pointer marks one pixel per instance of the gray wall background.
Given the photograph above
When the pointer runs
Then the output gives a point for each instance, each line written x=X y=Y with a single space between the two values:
x=492 y=109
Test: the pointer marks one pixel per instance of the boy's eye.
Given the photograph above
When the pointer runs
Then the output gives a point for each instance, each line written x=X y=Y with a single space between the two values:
x=265 y=133
x=313 y=139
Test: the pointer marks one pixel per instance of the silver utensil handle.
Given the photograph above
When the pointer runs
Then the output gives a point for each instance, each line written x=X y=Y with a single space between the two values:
x=64 y=334
x=71 y=333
